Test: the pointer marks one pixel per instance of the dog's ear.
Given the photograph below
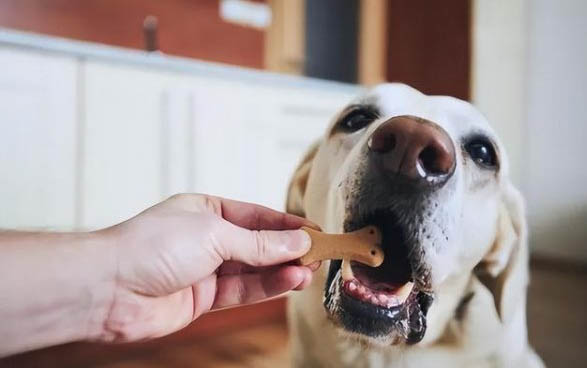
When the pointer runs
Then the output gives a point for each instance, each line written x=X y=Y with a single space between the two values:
x=504 y=269
x=299 y=181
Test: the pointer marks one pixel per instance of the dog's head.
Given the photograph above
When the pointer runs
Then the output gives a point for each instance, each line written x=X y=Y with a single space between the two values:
x=432 y=175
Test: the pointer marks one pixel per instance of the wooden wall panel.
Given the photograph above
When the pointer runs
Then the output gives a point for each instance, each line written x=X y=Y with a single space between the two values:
x=372 y=53
x=285 y=39
x=186 y=27
x=429 y=45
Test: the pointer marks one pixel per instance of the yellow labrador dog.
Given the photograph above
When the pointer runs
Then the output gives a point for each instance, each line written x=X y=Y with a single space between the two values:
x=433 y=176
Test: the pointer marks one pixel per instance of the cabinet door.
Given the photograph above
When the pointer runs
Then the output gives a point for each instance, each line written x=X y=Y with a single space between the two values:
x=37 y=140
x=149 y=134
x=280 y=125
x=218 y=161
x=124 y=135
x=249 y=139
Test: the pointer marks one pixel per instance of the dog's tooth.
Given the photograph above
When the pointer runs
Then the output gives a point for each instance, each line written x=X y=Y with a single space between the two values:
x=382 y=299
x=346 y=270
x=352 y=286
x=392 y=302
x=403 y=292
x=374 y=299
x=361 y=289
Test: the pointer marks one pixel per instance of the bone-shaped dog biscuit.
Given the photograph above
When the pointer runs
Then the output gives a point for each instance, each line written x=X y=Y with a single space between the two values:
x=363 y=245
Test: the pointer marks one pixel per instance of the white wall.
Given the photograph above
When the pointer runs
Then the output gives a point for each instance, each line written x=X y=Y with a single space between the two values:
x=556 y=176
x=530 y=80
x=498 y=72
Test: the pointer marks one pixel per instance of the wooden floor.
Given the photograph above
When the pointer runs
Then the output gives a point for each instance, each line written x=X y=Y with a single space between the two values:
x=557 y=315
x=262 y=346
x=557 y=327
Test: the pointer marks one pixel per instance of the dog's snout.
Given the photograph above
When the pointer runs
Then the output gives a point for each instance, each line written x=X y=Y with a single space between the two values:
x=413 y=148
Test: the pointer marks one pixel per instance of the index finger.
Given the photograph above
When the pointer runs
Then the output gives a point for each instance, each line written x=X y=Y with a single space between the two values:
x=256 y=217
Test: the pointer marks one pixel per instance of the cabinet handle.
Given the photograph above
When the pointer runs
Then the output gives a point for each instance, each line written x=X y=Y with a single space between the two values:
x=150 y=25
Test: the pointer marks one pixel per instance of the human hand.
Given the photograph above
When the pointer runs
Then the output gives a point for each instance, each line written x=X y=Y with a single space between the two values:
x=194 y=253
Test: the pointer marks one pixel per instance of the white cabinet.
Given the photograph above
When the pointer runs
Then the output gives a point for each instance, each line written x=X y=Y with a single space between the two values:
x=124 y=135
x=218 y=162
x=249 y=139
x=87 y=143
x=278 y=126
x=149 y=134
x=38 y=140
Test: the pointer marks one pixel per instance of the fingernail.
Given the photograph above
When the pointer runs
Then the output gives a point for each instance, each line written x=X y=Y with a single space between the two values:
x=314 y=266
x=299 y=241
x=313 y=225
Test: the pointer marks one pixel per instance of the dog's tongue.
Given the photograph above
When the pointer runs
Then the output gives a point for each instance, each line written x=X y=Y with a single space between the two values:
x=366 y=277
x=360 y=283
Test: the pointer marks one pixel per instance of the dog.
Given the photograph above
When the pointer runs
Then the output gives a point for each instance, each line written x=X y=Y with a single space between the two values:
x=432 y=175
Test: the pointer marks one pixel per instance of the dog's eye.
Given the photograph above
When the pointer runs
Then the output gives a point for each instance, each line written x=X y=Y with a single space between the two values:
x=482 y=152
x=357 y=120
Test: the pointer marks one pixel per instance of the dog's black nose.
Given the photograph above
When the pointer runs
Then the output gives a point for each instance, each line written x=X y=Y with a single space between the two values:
x=413 y=148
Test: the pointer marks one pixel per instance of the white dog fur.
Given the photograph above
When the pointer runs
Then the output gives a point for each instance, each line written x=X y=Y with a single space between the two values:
x=486 y=257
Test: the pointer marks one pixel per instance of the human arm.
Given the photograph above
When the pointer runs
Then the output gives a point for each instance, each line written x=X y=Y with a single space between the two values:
x=148 y=276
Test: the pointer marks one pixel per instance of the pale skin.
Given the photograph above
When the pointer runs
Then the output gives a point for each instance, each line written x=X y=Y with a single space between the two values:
x=148 y=276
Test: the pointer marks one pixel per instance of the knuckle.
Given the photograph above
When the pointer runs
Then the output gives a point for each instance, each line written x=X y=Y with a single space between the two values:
x=179 y=196
x=197 y=202
x=261 y=242
x=211 y=204
x=183 y=200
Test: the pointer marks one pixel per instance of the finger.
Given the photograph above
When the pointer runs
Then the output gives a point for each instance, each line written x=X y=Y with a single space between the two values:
x=255 y=217
x=250 y=288
x=307 y=279
x=203 y=294
x=259 y=247
x=234 y=268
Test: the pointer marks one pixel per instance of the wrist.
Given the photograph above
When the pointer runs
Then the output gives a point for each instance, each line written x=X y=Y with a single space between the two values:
x=58 y=288
x=101 y=245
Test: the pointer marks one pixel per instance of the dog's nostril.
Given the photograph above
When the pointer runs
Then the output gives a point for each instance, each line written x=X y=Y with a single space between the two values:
x=429 y=160
x=435 y=160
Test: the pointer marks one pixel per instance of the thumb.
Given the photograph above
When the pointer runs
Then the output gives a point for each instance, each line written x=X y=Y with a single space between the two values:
x=261 y=247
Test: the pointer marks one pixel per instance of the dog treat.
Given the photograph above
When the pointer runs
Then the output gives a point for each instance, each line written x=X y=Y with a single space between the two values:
x=363 y=245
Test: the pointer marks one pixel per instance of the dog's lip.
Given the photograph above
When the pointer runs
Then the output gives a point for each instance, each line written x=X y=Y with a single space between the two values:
x=338 y=288
x=404 y=322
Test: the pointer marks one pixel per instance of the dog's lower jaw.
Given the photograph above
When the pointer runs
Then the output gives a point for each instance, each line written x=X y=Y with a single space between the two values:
x=371 y=324
x=317 y=342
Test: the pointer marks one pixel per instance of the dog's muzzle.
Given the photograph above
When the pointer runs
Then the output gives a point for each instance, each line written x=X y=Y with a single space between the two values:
x=408 y=159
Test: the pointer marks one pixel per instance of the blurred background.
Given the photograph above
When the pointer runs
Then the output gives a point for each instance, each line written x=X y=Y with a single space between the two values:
x=108 y=106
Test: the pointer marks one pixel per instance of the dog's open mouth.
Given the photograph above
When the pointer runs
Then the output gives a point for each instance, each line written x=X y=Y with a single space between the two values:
x=387 y=302
x=361 y=282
